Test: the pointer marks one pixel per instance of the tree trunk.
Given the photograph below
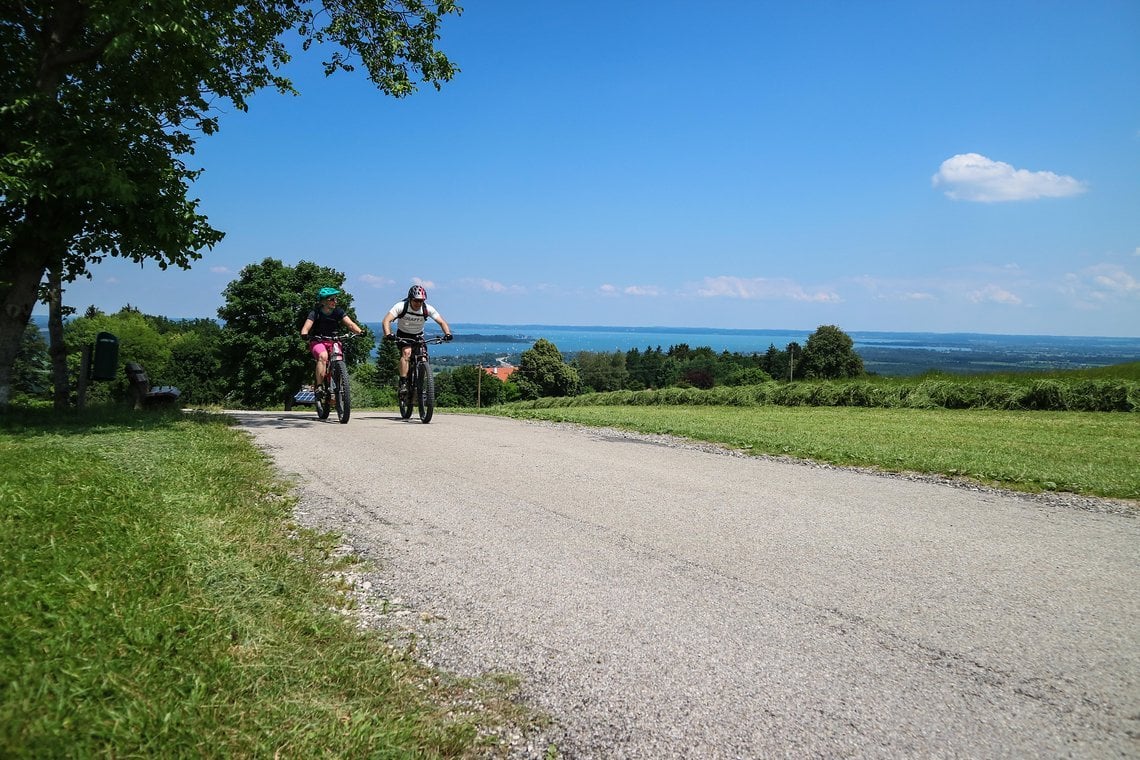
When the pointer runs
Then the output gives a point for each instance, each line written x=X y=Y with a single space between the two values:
x=61 y=384
x=17 y=297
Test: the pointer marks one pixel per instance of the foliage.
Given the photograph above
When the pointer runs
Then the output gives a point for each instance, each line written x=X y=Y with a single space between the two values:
x=1070 y=392
x=830 y=354
x=139 y=342
x=468 y=386
x=103 y=102
x=264 y=359
x=388 y=363
x=196 y=364
x=542 y=372
x=602 y=372
x=31 y=374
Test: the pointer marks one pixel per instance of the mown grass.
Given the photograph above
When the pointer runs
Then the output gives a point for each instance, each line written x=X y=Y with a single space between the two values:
x=1092 y=453
x=157 y=601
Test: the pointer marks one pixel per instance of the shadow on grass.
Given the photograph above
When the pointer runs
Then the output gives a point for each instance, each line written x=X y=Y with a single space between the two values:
x=99 y=419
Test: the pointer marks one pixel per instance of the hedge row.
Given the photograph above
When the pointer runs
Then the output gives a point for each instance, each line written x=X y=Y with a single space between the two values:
x=1078 y=395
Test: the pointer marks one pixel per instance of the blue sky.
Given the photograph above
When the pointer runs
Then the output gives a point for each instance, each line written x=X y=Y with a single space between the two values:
x=915 y=166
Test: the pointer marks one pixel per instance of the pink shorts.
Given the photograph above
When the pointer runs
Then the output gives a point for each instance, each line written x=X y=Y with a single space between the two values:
x=320 y=348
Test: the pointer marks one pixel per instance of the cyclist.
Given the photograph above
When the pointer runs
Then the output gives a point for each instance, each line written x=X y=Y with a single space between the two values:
x=411 y=314
x=325 y=319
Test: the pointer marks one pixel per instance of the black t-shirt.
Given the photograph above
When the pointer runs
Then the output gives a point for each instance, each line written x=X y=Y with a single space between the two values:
x=325 y=324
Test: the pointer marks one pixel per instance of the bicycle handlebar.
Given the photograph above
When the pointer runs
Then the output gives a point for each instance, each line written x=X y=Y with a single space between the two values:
x=420 y=339
x=341 y=336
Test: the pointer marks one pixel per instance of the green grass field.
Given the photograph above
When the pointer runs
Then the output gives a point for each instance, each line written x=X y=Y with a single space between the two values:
x=1092 y=453
x=159 y=602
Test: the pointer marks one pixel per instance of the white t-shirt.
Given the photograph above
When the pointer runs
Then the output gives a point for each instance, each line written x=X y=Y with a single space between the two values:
x=412 y=323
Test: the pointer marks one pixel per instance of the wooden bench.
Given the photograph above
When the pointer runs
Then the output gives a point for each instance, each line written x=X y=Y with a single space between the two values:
x=144 y=393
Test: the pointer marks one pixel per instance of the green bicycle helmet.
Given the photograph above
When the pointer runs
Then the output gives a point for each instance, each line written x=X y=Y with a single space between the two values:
x=324 y=293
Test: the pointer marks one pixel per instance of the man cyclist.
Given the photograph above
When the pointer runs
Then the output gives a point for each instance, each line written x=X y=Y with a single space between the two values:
x=411 y=315
x=325 y=319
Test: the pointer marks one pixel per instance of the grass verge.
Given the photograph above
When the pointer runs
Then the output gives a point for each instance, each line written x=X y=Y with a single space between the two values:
x=1090 y=453
x=158 y=602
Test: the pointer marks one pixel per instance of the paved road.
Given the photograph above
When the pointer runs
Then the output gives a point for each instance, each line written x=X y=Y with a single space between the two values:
x=669 y=601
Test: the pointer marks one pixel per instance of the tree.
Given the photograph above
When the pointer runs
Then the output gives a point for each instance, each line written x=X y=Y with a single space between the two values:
x=263 y=357
x=138 y=340
x=602 y=372
x=31 y=372
x=102 y=104
x=196 y=364
x=542 y=372
x=830 y=354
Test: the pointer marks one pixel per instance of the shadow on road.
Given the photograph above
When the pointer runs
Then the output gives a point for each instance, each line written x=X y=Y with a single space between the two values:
x=283 y=420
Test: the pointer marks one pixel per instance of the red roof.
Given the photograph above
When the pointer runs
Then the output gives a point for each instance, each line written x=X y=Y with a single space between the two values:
x=501 y=371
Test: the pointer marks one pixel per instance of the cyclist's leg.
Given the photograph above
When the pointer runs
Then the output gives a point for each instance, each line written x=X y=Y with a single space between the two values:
x=405 y=356
x=321 y=354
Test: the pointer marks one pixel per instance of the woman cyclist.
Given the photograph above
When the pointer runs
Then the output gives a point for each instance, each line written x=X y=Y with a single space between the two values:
x=324 y=320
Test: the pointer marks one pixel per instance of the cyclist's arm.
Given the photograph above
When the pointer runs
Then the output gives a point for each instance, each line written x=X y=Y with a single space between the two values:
x=386 y=324
x=305 y=328
x=442 y=323
x=352 y=325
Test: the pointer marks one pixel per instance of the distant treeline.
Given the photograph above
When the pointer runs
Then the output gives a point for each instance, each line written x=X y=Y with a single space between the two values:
x=1075 y=393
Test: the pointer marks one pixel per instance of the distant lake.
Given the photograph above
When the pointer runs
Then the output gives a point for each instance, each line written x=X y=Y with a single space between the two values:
x=902 y=353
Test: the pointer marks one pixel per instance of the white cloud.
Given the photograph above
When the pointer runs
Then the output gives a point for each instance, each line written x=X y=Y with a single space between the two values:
x=491 y=286
x=608 y=289
x=1101 y=283
x=892 y=290
x=763 y=289
x=377 y=281
x=993 y=294
x=973 y=177
x=226 y=270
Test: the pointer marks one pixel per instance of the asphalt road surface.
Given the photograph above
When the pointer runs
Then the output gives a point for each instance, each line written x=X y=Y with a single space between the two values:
x=662 y=600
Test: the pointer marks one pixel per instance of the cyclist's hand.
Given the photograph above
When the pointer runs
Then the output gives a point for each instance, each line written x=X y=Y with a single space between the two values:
x=389 y=337
x=448 y=336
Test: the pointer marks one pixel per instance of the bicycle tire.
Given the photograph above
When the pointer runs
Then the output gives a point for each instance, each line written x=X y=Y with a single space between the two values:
x=426 y=394
x=406 y=402
x=342 y=394
x=322 y=405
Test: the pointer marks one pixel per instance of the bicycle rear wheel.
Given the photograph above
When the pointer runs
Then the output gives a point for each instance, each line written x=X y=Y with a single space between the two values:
x=322 y=401
x=341 y=395
x=426 y=394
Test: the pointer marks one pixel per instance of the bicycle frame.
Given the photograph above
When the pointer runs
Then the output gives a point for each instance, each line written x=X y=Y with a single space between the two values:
x=335 y=385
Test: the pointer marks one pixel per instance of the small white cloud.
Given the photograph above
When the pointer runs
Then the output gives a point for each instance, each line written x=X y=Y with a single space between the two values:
x=490 y=286
x=762 y=289
x=425 y=283
x=608 y=290
x=642 y=290
x=220 y=270
x=377 y=281
x=993 y=294
x=973 y=177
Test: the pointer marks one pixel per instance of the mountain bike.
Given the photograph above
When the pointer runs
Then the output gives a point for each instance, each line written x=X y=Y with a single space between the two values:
x=336 y=393
x=420 y=390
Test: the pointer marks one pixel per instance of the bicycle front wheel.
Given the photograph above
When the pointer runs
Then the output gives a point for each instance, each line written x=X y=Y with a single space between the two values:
x=406 y=402
x=426 y=395
x=341 y=395
x=322 y=401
